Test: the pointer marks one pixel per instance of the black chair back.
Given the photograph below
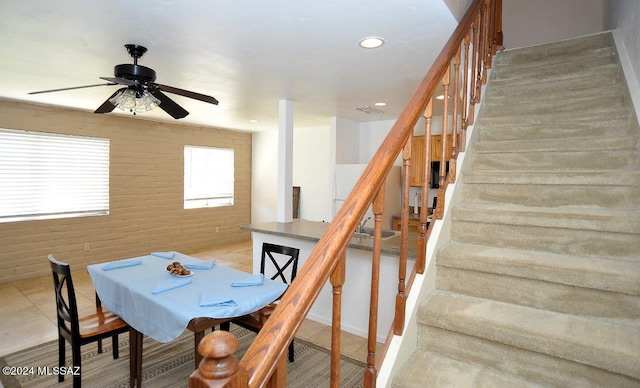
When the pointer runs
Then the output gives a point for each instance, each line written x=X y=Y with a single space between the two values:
x=282 y=263
x=66 y=305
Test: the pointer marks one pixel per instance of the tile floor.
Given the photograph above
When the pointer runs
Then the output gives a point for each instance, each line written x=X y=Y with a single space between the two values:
x=28 y=316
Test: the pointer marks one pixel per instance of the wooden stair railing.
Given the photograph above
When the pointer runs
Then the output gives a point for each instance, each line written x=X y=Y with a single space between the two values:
x=473 y=43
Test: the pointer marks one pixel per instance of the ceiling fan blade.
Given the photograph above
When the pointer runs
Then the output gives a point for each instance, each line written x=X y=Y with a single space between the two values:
x=168 y=105
x=71 y=88
x=107 y=106
x=186 y=93
x=119 y=80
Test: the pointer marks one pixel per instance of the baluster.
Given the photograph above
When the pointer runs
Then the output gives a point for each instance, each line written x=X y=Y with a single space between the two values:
x=465 y=91
x=454 y=121
x=486 y=38
x=474 y=63
x=371 y=373
x=398 y=321
x=439 y=212
x=337 y=281
x=491 y=33
x=219 y=368
x=424 y=214
x=481 y=53
x=499 y=45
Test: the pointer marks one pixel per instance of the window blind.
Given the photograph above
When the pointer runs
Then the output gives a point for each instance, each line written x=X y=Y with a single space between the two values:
x=45 y=175
x=208 y=177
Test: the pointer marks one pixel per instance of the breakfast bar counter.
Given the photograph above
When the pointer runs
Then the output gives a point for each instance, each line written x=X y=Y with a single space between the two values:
x=304 y=235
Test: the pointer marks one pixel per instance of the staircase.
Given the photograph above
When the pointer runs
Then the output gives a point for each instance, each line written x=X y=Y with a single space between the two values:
x=540 y=282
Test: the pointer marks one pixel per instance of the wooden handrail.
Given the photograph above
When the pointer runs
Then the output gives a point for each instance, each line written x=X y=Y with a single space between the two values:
x=263 y=362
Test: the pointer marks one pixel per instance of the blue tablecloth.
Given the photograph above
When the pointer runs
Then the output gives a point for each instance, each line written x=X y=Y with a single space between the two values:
x=164 y=316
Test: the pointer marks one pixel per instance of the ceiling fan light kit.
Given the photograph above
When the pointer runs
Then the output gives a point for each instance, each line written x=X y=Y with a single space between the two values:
x=141 y=93
x=132 y=101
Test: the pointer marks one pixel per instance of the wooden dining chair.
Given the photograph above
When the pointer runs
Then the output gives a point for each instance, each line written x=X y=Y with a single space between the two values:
x=78 y=330
x=278 y=263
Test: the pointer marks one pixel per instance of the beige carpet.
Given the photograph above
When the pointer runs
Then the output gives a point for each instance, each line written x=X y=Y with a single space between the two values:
x=169 y=365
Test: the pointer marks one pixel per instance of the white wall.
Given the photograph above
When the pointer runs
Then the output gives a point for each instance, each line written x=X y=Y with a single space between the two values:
x=264 y=176
x=312 y=171
x=347 y=140
x=527 y=22
x=624 y=15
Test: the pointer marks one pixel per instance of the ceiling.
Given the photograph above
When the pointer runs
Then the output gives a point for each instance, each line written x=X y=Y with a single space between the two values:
x=248 y=54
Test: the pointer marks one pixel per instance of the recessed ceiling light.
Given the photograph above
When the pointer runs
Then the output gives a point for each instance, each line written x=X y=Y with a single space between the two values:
x=380 y=104
x=371 y=42
x=253 y=121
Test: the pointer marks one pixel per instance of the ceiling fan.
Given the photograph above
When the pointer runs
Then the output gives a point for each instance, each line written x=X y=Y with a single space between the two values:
x=141 y=93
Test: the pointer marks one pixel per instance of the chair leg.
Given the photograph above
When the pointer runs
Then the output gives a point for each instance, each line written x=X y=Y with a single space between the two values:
x=99 y=346
x=291 y=349
x=226 y=326
x=114 y=345
x=61 y=356
x=77 y=357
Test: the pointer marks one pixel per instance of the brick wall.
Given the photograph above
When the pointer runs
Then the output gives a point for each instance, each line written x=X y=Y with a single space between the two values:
x=146 y=194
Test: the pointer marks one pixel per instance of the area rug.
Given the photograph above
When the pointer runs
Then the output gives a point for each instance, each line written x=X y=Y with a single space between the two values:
x=168 y=365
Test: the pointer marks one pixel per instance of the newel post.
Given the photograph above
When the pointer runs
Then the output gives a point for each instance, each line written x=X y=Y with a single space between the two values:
x=218 y=368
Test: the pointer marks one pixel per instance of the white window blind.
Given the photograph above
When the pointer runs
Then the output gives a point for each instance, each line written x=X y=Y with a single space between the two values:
x=45 y=175
x=208 y=177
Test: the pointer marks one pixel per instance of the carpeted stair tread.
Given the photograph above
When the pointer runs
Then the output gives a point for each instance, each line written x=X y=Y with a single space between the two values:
x=622 y=178
x=577 y=104
x=583 y=218
x=579 y=242
x=556 y=119
x=576 y=160
x=543 y=369
x=568 y=47
x=592 y=272
x=431 y=369
x=551 y=72
x=597 y=343
x=600 y=128
x=557 y=89
x=506 y=58
x=553 y=145
x=513 y=97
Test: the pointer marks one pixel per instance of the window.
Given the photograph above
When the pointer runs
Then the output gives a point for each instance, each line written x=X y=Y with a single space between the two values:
x=45 y=175
x=208 y=177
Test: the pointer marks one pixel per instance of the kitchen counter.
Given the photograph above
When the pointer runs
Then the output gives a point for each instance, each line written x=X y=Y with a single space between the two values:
x=304 y=235
x=313 y=230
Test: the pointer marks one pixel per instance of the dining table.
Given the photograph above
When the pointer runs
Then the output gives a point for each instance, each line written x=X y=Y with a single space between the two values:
x=161 y=305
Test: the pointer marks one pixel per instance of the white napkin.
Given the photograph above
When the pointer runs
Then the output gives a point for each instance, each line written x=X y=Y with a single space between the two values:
x=121 y=264
x=164 y=255
x=170 y=284
x=253 y=280
x=210 y=300
x=201 y=265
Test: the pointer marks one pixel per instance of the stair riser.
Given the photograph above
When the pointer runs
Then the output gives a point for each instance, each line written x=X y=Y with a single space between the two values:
x=554 y=145
x=540 y=294
x=555 y=161
x=614 y=128
x=611 y=77
x=555 y=240
x=544 y=98
x=554 y=72
x=620 y=197
x=567 y=48
x=558 y=58
x=525 y=364
x=551 y=107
